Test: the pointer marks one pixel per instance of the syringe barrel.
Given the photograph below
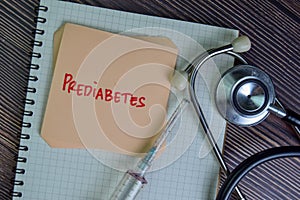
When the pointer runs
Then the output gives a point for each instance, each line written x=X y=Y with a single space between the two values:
x=129 y=186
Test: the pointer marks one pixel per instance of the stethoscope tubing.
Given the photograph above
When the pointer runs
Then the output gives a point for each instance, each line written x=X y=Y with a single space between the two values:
x=250 y=163
x=192 y=71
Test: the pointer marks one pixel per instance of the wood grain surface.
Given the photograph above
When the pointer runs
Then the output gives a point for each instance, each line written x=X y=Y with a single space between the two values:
x=273 y=27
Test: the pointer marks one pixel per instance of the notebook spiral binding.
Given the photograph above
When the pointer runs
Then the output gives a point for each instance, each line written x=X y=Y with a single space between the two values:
x=29 y=113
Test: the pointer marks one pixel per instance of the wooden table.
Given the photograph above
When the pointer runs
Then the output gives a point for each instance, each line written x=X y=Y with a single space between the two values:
x=273 y=27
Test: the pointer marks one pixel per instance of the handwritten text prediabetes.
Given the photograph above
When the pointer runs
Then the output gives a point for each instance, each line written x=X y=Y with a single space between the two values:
x=71 y=86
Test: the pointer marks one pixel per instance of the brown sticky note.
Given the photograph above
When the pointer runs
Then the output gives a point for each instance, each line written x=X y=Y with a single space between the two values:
x=108 y=91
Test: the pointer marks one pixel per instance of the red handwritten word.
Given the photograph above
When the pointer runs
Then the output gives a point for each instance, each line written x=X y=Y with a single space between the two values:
x=71 y=86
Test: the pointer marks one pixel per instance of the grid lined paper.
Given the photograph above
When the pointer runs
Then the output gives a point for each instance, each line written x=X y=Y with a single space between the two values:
x=187 y=169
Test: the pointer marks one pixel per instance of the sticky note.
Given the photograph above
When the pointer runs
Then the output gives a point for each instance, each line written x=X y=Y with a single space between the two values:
x=108 y=91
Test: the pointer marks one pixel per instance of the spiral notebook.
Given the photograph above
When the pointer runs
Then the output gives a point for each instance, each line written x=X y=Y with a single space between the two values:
x=187 y=169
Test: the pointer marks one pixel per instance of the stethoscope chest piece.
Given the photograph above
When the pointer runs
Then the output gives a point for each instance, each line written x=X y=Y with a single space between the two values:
x=244 y=95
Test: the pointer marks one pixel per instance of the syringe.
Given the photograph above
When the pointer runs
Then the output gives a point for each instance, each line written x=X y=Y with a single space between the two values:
x=133 y=180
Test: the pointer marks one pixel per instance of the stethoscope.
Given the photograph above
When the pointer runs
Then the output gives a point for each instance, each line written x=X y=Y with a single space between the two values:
x=244 y=96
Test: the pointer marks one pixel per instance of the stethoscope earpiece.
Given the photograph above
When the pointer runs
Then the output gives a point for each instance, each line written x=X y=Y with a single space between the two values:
x=241 y=44
x=179 y=80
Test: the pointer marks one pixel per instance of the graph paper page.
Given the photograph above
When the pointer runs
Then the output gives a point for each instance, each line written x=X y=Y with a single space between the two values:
x=187 y=169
